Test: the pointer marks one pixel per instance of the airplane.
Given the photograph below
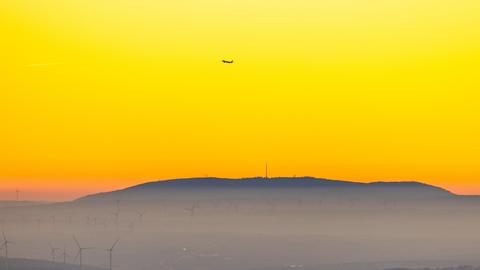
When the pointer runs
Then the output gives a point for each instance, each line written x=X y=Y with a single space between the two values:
x=227 y=62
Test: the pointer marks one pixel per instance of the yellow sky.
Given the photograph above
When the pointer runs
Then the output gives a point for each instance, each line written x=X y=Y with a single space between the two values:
x=102 y=94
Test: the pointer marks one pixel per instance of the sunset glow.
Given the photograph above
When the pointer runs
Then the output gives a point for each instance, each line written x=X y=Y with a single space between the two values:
x=98 y=95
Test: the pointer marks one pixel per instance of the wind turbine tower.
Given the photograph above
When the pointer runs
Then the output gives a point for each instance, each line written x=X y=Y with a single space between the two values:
x=117 y=219
x=80 y=251
x=266 y=170
x=5 y=244
x=110 y=251
x=117 y=204
x=192 y=209
x=65 y=255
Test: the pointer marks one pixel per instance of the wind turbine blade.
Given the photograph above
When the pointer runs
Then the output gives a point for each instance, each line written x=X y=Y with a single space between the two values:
x=4 y=237
x=114 y=244
x=76 y=241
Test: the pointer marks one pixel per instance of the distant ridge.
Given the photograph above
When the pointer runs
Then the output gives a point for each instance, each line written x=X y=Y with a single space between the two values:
x=312 y=184
x=276 y=182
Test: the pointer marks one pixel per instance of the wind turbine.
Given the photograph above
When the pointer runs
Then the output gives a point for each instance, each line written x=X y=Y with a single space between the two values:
x=116 y=215
x=6 y=260
x=117 y=204
x=80 y=251
x=65 y=255
x=110 y=251
x=5 y=244
x=53 y=250
x=191 y=209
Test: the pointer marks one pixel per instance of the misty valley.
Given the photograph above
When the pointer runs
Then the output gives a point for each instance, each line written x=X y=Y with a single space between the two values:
x=297 y=223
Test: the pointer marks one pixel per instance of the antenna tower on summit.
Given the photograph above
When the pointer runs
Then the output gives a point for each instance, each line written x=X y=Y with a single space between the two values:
x=266 y=170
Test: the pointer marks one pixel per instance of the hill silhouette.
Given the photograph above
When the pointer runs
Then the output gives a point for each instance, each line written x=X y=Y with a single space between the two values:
x=275 y=186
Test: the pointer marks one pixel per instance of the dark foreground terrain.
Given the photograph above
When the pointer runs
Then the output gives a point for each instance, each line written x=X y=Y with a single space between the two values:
x=29 y=264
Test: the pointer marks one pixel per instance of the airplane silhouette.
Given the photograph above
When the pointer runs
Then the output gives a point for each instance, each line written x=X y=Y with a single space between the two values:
x=227 y=62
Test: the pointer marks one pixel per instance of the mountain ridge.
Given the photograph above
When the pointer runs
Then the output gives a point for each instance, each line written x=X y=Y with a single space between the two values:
x=274 y=183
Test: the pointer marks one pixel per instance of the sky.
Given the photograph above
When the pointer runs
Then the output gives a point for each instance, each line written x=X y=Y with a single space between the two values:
x=100 y=94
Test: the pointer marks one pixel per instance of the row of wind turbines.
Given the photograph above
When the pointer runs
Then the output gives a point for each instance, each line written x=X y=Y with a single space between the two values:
x=53 y=252
x=81 y=249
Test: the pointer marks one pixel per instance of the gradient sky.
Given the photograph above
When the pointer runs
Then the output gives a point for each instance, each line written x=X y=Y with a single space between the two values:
x=102 y=94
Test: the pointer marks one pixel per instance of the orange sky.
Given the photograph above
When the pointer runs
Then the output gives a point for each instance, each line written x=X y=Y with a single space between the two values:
x=102 y=94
